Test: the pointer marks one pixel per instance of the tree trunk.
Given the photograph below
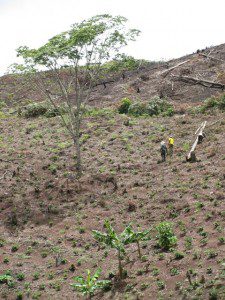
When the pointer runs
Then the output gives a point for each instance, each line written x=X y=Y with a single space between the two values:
x=76 y=141
x=199 y=132
x=166 y=72
x=139 y=249
x=120 y=266
x=202 y=82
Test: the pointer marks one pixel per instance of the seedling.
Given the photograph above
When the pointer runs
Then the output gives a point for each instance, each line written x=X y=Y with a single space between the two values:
x=88 y=285
x=136 y=237
x=174 y=272
x=6 y=279
x=178 y=255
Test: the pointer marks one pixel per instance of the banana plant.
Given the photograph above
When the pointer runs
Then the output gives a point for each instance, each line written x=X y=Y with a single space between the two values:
x=136 y=237
x=114 y=240
x=88 y=285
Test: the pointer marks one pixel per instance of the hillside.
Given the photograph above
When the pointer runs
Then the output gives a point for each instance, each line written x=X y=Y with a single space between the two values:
x=47 y=215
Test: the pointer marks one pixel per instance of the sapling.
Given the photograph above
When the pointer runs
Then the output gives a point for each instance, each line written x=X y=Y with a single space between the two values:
x=88 y=285
x=136 y=237
x=112 y=239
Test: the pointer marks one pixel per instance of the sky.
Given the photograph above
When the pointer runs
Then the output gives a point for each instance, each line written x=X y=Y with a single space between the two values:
x=170 y=28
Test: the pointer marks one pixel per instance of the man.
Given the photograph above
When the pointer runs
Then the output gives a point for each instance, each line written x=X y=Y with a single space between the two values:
x=171 y=144
x=163 y=151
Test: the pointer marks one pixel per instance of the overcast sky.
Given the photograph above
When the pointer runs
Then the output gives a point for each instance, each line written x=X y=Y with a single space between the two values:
x=170 y=28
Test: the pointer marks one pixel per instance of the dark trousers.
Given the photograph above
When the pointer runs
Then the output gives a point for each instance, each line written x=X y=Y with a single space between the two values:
x=163 y=154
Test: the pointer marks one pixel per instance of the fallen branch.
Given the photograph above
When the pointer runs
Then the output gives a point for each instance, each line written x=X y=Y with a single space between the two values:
x=200 y=135
x=211 y=57
x=194 y=81
x=166 y=72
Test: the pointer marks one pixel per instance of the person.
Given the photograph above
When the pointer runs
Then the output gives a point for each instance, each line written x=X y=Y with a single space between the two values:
x=201 y=137
x=171 y=145
x=163 y=151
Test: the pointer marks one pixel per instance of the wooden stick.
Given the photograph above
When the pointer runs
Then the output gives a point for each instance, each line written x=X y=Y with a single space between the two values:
x=166 y=72
x=205 y=83
x=191 y=155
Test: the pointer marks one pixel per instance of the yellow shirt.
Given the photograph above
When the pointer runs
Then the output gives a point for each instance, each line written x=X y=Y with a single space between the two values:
x=171 y=141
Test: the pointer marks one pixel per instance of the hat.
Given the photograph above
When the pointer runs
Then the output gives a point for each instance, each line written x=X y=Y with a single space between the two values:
x=162 y=143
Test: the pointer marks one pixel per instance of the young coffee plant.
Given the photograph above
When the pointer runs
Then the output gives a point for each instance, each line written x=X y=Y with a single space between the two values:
x=6 y=278
x=88 y=285
x=112 y=239
x=136 y=237
x=166 y=237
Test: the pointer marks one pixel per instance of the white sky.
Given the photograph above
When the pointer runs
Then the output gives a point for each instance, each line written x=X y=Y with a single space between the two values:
x=170 y=28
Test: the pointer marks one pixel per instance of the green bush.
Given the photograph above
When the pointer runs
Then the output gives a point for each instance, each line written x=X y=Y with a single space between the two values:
x=53 y=111
x=124 y=63
x=213 y=103
x=221 y=103
x=166 y=237
x=37 y=109
x=137 y=109
x=124 y=105
x=210 y=102
x=157 y=105
x=33 y=110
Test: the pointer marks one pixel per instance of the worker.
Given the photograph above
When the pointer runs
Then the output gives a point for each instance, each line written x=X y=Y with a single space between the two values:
x=171 y=145
x=201 y=137
x=163 y=151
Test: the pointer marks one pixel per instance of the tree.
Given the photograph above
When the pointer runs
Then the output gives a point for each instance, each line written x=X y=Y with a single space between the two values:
x=115 y=241
x=136 y=237
x=69 y=65
x=88 y=285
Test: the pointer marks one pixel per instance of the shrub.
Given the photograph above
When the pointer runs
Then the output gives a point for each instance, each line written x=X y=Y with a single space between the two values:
x=33 y=110
x=124 y=105
x=166 y=237
x=137 y=109
x=53 y=111
x=157 y=105
x=169 y=112
x=123 y=63
x=221 y=103
x=212 y=103
x=37 y=109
